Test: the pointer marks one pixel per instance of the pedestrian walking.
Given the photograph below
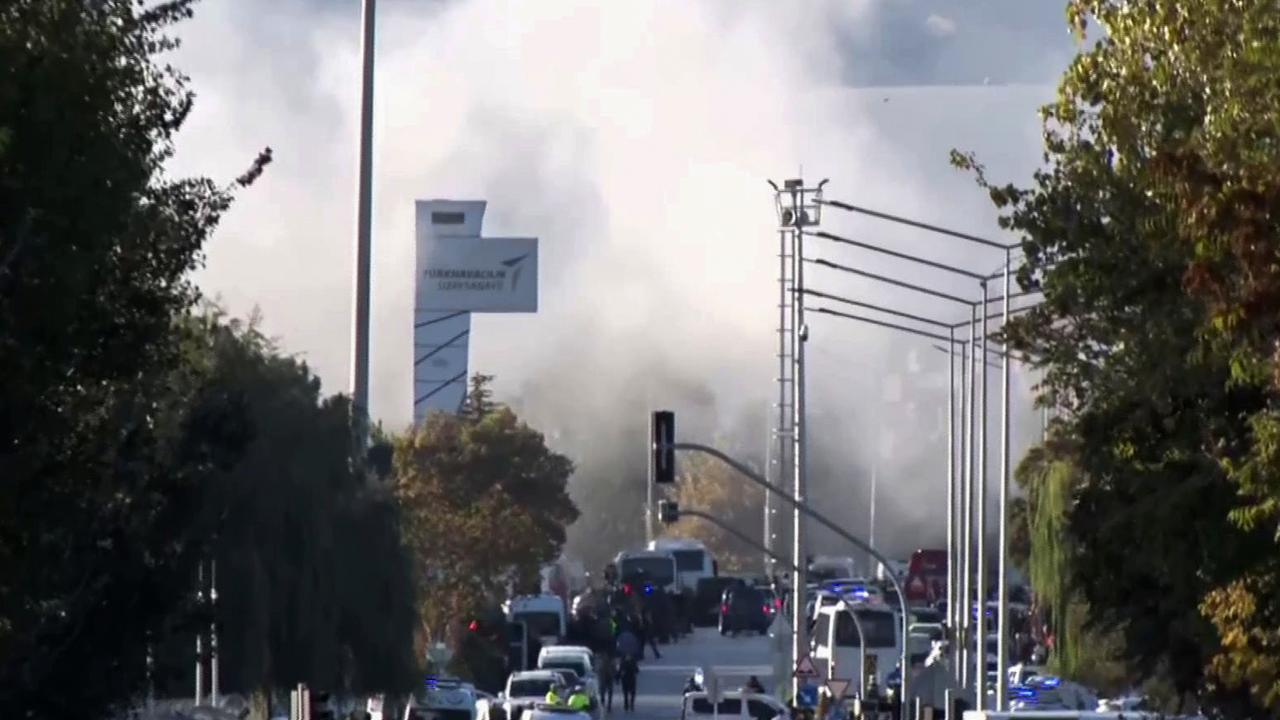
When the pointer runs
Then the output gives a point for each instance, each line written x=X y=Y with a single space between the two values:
x=607 y=674
x=627 y=673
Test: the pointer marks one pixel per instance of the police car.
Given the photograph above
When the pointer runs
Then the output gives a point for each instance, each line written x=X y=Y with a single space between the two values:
x=442 y=699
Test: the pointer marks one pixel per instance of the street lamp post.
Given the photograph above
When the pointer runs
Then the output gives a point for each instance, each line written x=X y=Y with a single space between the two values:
x=364 y=222
x=1002 y=582
x=809 y=512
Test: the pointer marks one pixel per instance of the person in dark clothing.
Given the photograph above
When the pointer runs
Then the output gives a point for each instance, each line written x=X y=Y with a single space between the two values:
x=627 y=672
x=649 y=635
x=606 y=674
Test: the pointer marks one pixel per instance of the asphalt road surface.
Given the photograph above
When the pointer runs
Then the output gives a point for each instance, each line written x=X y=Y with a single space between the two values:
x=662 y=681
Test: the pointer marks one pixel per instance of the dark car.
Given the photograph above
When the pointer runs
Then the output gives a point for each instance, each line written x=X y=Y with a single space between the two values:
x=743 y=607
x=706 y=598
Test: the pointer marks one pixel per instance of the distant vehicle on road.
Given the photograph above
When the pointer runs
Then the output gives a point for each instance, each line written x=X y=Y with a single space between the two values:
x=693 y=561
x=552 y=712
x=543 y=615
x=656 y=568
x=526 y=689
x=743 y=607
x=828 y=567
x=442 y=699
x=926 y=581
x=706 y=598
x=837 y=641
x=577 y=658
x=732 y=706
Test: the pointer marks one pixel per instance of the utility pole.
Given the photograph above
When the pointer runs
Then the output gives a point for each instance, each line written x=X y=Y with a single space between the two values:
x=980 y=529
x=798 y=209
x=364 y=223
x=199 y=636
x=1002 y=582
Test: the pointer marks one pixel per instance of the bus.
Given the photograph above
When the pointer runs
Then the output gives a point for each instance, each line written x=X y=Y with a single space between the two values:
x=693 y=562
x=926 y=581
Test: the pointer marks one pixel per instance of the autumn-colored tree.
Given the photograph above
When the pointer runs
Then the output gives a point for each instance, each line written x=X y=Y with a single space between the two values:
x=483 y=505
x=708 y=485
x=1152 y=231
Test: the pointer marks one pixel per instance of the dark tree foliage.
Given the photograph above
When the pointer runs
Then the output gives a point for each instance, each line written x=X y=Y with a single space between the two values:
x=100 y=456
x=313 y=583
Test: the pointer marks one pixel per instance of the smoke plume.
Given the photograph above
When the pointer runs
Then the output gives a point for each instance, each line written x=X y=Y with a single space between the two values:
x=635 y=139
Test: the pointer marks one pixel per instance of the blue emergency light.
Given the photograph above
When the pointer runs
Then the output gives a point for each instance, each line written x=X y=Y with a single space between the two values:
x=648 y=589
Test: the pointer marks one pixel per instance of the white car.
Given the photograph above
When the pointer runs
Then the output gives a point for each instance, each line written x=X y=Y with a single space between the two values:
x=526 y=689
x=577 y=658
x=443 y=699
x=552 y=712
x=732 y=706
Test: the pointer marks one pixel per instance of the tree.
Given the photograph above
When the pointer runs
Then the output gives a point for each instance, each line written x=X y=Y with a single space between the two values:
x=1192 y=90
x=294 y=526
x=484 y=506
x=1158 y=412
x=100 y=454
x=709 y=485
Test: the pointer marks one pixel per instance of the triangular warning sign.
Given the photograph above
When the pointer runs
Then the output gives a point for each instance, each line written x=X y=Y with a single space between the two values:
x=805 y=668
x=838 y=687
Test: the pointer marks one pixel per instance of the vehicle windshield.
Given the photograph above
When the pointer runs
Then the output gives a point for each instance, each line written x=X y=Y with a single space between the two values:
x=529 y=687
x=822 y=574
x=657 y=570
x=879 y=628
x=926 y=615
x=577 y=665
x=689 y=560
x=540 y=623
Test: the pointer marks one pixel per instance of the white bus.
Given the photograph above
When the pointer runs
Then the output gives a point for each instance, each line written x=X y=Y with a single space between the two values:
x=657 y=569
x=837 y=641
x=693 y=562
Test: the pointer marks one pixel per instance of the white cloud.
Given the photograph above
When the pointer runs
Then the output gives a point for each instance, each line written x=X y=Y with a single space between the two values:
x=633 y=138
x=940 y=26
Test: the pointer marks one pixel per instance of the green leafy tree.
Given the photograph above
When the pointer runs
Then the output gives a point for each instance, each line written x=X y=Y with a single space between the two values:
x=295 y=529
x=101 y=456
x=1158 y=414
x=484 y=506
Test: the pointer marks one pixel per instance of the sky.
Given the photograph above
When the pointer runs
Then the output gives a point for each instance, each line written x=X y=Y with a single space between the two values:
x=634 y=139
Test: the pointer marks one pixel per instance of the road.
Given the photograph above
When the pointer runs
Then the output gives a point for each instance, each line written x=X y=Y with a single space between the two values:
x=661 y=681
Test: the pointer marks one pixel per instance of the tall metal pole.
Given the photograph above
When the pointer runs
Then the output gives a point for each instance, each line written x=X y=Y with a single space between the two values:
x=951 y=476
x=213 y=632
x=648 y=493
x=980 y=529
x=1002 y=580
x=766 y=539
x=199 y=636
x=871 y=534
x=966 y=603
x=786 y=351
x=364 y=222
x=799 y=638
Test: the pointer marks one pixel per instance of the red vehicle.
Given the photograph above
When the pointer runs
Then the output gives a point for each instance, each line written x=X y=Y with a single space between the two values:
x=926 y=581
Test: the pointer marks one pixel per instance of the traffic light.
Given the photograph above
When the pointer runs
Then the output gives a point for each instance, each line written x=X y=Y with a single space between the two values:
x=664 y=455
x=668 y=511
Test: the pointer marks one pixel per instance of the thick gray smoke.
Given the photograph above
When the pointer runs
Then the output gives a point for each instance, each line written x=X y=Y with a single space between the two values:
x=635 y=140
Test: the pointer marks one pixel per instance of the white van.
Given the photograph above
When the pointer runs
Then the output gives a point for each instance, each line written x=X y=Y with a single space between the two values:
x=656 y=567
x=543 y=615
x=732 y=706
x=693 y=562
x=837 y=641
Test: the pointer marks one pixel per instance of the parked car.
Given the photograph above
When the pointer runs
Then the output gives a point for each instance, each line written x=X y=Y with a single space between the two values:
x=743 y=607
x=706 y=598
x=732 y=706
